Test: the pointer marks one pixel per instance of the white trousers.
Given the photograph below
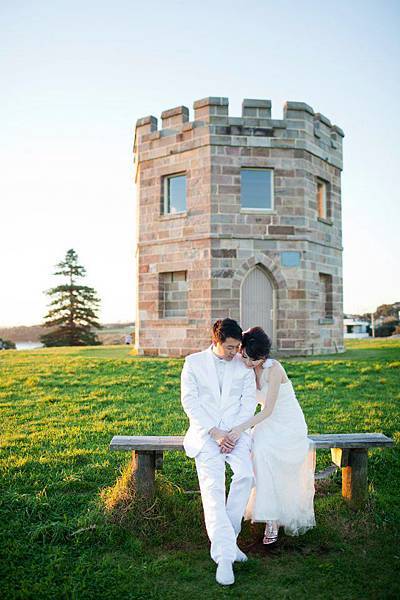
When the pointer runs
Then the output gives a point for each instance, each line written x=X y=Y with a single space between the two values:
x=223 y=517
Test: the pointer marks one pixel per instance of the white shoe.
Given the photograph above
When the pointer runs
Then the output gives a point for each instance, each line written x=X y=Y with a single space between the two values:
x=224 y=574
x=240 y=556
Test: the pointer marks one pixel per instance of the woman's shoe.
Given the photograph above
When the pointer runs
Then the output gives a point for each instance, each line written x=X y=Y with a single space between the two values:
x=270 y=533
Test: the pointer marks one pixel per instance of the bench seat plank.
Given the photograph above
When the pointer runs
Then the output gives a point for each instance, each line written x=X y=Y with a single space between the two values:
x=350 y=440
x=325 y=440
x=147 y=442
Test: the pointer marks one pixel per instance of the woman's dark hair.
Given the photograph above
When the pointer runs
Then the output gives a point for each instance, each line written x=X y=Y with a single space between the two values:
x=225 y=328
x=256 y=343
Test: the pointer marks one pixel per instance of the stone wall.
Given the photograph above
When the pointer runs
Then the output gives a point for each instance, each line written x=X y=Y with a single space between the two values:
x=217 y=242
x=171 y=243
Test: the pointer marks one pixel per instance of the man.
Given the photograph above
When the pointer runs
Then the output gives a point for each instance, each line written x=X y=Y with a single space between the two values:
x=218 y=392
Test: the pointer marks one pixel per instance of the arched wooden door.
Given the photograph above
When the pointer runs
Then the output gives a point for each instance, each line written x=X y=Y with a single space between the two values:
x=257 y=301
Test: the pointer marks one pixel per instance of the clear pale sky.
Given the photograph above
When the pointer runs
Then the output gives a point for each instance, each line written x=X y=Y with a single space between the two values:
x=75 y=77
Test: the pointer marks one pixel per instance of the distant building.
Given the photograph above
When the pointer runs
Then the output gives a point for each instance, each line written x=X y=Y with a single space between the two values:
x=354 y=327
x=239 y=217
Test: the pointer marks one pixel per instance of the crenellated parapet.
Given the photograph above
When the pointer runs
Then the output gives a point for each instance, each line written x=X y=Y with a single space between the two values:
x=301 y=128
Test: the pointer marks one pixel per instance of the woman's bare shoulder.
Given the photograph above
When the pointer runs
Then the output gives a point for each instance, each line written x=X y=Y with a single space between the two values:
x=278 y=369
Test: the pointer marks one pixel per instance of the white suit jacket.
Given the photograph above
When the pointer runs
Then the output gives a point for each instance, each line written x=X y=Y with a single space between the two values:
x=206 y=406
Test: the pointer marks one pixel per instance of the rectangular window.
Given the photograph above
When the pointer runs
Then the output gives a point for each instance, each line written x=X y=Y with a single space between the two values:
x=256 y=189
x=325 y=284
x=173 y=294
x=174 y=194
x=323 y=199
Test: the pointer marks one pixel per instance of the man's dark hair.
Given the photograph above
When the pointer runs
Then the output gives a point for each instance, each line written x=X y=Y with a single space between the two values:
x=225 y=328
x=256 y=343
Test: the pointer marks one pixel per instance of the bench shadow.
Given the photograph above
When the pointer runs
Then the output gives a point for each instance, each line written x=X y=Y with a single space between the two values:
x=171 y=517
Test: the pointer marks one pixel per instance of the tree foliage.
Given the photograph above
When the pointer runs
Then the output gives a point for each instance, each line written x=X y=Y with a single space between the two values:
x=388 y=310
x=7 y=344
x=72 y=315
x=385 y=312
x=387 y=328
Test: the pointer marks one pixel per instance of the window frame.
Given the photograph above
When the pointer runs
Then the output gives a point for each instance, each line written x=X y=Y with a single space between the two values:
x=251 y=209
x=327 y=217
x=165 y=204
x=328 y=310
x=165 y=277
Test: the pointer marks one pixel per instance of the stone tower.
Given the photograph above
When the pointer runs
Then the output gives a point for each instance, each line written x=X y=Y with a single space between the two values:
x=239 y=217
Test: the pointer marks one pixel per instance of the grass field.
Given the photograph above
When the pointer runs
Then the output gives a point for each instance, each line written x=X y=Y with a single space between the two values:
x=63 y=533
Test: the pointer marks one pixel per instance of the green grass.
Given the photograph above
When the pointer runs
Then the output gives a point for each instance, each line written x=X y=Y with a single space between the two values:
x=64 y=534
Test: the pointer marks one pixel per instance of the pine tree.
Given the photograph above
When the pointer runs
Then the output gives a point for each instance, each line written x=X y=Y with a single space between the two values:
x=73 y=309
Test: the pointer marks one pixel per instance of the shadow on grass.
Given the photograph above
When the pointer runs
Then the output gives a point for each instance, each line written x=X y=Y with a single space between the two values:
x=173 y=518
x=169 y=534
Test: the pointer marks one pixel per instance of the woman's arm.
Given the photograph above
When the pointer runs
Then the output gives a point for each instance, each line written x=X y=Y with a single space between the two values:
x=274 y=381
x=248 y=401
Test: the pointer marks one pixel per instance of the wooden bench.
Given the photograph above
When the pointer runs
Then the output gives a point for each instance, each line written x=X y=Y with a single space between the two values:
x=349 y=452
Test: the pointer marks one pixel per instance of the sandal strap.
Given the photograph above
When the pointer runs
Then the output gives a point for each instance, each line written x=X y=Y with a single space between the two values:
x=270 y=532
x=269 y=540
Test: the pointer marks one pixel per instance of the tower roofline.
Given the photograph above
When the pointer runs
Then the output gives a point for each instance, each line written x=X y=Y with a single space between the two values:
x=301 y=128
x=212 y=108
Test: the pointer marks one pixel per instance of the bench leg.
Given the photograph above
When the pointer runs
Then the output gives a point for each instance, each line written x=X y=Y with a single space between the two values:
x=143 y=472
x=354 y=478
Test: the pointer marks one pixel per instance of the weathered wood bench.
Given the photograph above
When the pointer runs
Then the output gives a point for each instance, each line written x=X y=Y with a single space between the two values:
x=349 y=452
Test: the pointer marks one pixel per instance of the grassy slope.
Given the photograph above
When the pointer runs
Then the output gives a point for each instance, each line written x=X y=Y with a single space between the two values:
x=59 y=409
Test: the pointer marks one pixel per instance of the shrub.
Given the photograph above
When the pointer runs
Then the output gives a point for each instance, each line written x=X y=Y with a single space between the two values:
x=7 y=345
x=386 y=329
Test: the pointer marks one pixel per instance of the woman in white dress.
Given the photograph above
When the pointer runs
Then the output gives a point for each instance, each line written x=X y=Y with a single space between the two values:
x=283 y=460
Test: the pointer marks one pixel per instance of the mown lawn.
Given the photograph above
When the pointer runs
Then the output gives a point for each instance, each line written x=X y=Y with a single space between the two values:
x=62 y=535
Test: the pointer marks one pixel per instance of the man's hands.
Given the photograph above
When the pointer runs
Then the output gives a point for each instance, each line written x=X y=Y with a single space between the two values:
x=225 y=439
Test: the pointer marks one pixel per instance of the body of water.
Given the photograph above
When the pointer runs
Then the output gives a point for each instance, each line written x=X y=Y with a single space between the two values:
x=28 y=345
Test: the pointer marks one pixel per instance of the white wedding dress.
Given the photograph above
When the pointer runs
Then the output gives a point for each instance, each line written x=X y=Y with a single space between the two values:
x=284 y=464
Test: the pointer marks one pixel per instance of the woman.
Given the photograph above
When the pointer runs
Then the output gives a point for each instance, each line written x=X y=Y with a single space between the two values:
x=282 y=458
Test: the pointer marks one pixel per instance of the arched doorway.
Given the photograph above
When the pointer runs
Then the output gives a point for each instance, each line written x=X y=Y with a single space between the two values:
x=257 y=301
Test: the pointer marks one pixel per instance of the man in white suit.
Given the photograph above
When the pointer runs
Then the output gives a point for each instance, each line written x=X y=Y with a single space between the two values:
x=219 y=392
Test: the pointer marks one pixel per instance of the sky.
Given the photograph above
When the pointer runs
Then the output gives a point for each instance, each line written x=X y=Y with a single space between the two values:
x=75 y=77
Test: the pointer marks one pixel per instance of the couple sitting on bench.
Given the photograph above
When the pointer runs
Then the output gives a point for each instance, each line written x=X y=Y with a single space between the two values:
x=273 y=465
